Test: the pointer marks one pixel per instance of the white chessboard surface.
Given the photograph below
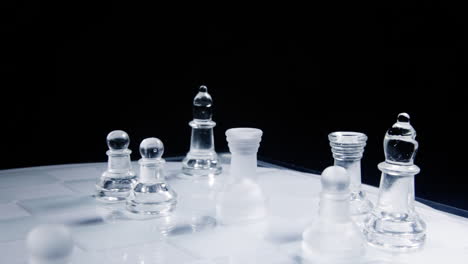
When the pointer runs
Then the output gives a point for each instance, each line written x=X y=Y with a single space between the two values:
x=105 y=234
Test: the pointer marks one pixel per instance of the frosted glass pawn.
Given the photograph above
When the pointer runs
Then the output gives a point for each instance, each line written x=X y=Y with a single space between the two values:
x=151 y=195
x=202 y=159
x=49 y=244
x=115 y=183
x=333 y=237
x=394 y=223
x=241 y=199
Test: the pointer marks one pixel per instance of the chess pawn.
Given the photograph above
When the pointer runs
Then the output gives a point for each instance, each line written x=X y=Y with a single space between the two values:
x=333 y=237
x=151 y=195
x=49 y=244
x=394 y=224
x=202 y=159
x=241 y=199
x=348 y=149
x=115 y=183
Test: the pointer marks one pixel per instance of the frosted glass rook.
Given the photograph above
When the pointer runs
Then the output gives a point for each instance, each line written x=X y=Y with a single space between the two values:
x=241 y=199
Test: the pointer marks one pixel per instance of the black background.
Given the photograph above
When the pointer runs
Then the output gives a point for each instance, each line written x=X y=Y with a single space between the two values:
x=72 y=72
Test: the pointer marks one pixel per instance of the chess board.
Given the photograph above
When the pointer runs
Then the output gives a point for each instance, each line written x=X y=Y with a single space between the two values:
x=106 y=234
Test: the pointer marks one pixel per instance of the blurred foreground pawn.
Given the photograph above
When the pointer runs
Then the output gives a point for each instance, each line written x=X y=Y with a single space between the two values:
x=202 y=159
x=151 y=195
x=241 y=199
x=333 y=237
x=394 y=224
x=49 y=244
x=115 y=183
x=348 y=149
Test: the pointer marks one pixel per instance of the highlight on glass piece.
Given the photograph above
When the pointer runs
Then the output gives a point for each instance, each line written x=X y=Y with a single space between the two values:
x=394 y=223
x=348 y=149
x=333 y=236
x=202 y=159
x=115 y=183
x=241 y=200
x=151 y=195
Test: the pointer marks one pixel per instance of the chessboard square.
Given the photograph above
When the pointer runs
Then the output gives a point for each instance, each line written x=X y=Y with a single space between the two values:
x=65 y=209
x=236 y=242
x=119 y=234
x=282 y=183
x=31 y=192
x=75 y=173
x=82 y=186
x=156 y=252
x=16 y=229
x=24 y=178
x=11 y=211
x=15 y=252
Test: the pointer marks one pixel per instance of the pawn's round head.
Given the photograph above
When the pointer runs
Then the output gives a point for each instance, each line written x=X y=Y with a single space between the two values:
x=403 y=118
x=335 y=179
x=118 y=140
x=49 y=242
x=151 y=148
x=203 y=89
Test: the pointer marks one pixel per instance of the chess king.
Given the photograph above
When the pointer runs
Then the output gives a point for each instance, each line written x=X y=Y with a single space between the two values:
x=394 y=223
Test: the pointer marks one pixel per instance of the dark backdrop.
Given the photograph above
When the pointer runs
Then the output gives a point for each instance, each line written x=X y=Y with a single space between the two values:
x=73 y=72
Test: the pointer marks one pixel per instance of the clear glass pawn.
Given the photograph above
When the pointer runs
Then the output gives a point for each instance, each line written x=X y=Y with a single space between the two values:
x=333 y=237
x=115 y=183
x=394 y=223
x=151 y=195
x=202 y=159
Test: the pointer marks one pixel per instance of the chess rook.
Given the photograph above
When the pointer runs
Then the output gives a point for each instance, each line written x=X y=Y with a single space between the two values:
x=115 y=183
x=241 y=199
x=394 y=224
x=348 y=149
x=333 y=237
x=202 y=159
x=151 y=195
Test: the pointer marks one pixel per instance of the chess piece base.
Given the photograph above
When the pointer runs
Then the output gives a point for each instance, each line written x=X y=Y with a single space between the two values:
x=152 y=199
x=112 y=188
x=397 y=232
x=199 y=167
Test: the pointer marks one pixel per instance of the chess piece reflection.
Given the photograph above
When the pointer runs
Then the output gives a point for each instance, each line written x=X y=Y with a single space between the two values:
x=394 y=223
x=241 y=199
x=202 y=159
x=151 y=195
x=333 y=237
x=116 y=182
x=348 y=149
x=49 y=244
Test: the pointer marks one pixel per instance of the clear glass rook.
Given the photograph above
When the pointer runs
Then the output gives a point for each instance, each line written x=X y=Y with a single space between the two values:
x=348 y=149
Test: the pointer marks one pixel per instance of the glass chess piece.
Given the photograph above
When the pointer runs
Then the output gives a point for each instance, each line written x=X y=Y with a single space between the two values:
x=394 y=223
x=348 y=149
x=241 y=198
x=49 y=244
x=115 y=183
x=151 y=195
x=202 y=159
x=333 y=237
